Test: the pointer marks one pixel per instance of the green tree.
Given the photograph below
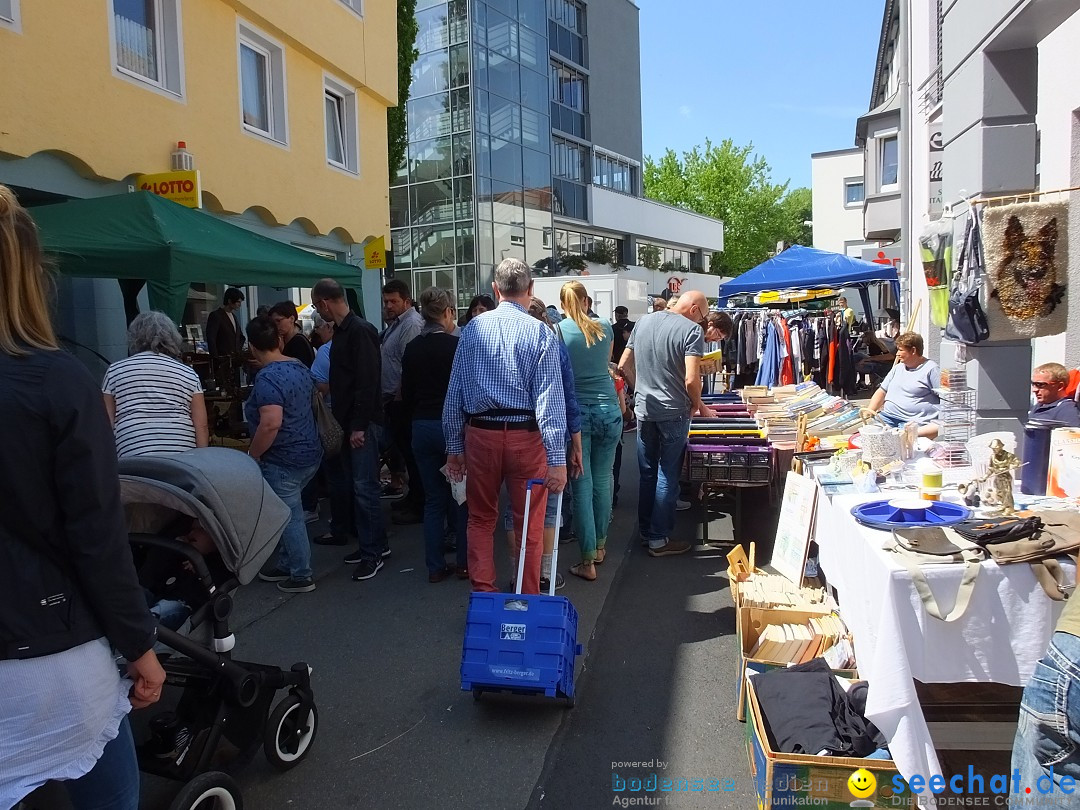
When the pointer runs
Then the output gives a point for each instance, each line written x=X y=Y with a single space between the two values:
x=730 y=183
x=648 y=256
x=397 y=138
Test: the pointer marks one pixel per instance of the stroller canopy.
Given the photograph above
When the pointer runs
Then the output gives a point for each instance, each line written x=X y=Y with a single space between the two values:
x=221 y=487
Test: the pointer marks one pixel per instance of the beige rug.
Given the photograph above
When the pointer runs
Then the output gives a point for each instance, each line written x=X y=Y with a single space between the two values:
x=1026 y=248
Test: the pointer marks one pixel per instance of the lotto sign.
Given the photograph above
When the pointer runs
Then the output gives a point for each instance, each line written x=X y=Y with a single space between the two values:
x=180 y=187
x=375 y=254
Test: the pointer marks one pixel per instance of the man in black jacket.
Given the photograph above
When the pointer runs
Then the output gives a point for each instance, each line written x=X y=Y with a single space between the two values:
x=224 y=336
x=356 y=402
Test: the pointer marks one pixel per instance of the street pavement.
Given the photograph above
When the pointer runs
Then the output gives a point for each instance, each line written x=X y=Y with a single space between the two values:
x=655 y=686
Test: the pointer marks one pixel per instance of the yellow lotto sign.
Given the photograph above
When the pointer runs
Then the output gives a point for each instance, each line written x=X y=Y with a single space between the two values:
x=375 y=254
x=180 y=187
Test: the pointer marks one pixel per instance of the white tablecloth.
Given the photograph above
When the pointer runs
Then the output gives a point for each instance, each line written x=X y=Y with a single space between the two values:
x=1000 y=637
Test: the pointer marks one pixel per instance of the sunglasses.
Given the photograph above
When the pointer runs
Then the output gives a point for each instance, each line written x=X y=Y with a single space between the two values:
x=1039 y=386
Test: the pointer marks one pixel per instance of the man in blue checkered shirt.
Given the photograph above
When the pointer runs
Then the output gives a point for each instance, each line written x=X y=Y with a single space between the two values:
x=505 y=421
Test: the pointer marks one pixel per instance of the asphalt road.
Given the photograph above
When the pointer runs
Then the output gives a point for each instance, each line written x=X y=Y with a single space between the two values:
x=655 y=688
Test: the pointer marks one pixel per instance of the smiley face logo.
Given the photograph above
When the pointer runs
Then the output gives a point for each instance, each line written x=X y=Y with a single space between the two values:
x=862 y=784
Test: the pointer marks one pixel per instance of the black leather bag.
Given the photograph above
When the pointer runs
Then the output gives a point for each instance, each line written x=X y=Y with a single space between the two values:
x=967 y=320
x=987 y=531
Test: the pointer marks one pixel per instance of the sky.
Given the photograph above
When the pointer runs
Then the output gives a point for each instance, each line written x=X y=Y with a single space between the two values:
x=789 y=76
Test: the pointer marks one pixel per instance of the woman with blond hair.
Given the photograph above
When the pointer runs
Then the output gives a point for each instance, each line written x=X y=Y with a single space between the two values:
x=68 y=589
x=588 y=342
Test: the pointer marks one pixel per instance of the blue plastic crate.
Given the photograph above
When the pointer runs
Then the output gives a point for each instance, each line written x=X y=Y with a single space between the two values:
x=520 y=643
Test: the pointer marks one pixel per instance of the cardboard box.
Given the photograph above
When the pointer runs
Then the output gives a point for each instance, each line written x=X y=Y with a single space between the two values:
x=792 y=780
x=748 y=628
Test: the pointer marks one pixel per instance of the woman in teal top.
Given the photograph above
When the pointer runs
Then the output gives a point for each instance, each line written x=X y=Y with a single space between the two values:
x=588 y=342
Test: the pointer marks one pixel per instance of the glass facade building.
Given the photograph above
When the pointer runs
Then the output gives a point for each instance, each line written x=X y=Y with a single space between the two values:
x=476 y=185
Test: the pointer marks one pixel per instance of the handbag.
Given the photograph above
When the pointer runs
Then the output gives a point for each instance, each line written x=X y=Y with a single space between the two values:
x=331 y=434
x=1058 y=536
x=934 y=546
x=967 y=321
x=988 y=531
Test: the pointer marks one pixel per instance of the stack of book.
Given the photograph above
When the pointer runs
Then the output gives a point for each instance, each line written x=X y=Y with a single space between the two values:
x=764 y=590
x=798 y=642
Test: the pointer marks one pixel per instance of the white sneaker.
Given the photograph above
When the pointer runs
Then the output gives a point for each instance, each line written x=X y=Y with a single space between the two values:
x=310 y=517
x=681 y=506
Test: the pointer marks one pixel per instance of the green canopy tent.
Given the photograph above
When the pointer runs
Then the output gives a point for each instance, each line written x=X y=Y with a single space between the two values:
x=141 y=236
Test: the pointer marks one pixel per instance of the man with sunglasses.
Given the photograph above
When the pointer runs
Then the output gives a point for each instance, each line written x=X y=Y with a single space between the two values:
x=1048 y=383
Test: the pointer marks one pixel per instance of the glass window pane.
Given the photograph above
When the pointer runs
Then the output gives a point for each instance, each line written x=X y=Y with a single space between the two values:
x=430 y=74
x=461 y=114
x=853 y=193
x=430 y=160
x=422 y=4
x=535 y=129
x=507 y=7
x=465 y=243
x=435 y=246
x=506 y=204
x=432 y=202
x=505 y=119
x=429 y=117
x=463 y=198
x=534 y=90
x=335 y=123
x=466 y=285
x=505 y=161
x=459 y=21
x=479 y=11
x=136 y=27
x=401 y=244
x=401 y=175
x=485 y=243
x=459 y=65
x=533 y=14
x=536 y=169
x=502 y=35
x=462 y=154
x=254 y=75
x=399 y=207
x=482 y=156
x=481 y=117
x=890 y=161
x=503 y=77
x=433 y=29
x=483 y=198
x=533 y=49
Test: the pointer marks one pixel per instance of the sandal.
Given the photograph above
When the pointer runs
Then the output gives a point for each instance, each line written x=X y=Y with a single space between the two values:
x=601 y=555
x=579 y=571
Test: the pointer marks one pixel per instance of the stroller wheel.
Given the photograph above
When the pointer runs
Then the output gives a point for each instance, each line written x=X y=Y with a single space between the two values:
x=212 y=790
x=288 y=735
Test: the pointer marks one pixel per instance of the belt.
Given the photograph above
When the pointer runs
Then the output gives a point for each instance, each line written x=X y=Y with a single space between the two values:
x=496 y=424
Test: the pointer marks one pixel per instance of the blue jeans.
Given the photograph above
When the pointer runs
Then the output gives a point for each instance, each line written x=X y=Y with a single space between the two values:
x=113 y=783
x=660 y=447
x=294 y=548
x=601 y=429
x=365 y=519
x=440 y=508
x=1047 y=744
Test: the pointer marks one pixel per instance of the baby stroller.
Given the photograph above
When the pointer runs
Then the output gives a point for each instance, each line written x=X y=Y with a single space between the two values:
x=220 y=699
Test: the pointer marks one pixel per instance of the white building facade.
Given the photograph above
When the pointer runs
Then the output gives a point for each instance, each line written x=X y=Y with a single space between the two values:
x=838 y=191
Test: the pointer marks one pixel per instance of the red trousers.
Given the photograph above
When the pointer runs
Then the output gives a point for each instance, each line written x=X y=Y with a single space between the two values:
x=492 y=457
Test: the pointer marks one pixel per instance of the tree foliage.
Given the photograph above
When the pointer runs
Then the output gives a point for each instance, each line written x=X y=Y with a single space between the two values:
x=730 y=183
x=648 y=256
x=396 y=129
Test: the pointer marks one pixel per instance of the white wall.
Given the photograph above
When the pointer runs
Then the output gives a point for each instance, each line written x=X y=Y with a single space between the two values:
x=1059 y=98
x=837 y=227
x=650 y=220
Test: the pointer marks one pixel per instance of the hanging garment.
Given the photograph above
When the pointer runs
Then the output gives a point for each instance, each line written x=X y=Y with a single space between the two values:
x=769 y=369
x=787 y=369
x=845 y=370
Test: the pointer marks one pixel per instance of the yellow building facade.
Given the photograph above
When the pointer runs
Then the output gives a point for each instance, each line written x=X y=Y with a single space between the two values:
x=282 y=105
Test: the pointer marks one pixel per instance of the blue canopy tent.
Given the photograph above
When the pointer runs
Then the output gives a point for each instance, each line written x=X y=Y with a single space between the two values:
x=805 y=268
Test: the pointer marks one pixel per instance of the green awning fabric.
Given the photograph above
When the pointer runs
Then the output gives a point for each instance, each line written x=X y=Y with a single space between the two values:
x=144 y=236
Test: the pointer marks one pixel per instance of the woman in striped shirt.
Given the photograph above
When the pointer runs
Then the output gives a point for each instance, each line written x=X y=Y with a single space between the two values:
x=155 y=402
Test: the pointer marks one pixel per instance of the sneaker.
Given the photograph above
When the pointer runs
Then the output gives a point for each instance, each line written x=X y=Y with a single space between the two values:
x=545 y=583
x=670 y=548
x=295 y=585
x=354 y=558
x=367 y=569
x=681 y=506
x=271 y=573
x=390 y=492
x=311 y=517
x=385 y=553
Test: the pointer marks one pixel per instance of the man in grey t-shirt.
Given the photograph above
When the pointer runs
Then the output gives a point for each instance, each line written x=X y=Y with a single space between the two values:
x=909 y=391
x=662 y=360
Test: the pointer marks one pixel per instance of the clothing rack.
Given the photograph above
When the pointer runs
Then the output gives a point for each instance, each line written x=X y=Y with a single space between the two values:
x=1025 y=196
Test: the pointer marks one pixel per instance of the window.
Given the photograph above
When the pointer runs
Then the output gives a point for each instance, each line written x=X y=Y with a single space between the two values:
x=889 y=164
x=339 y=105
x=854 y=192
x=9 y=15
x=262 y=86
x=146 y=42
x=568 y=87
x=615 y=173
x=355 y=5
